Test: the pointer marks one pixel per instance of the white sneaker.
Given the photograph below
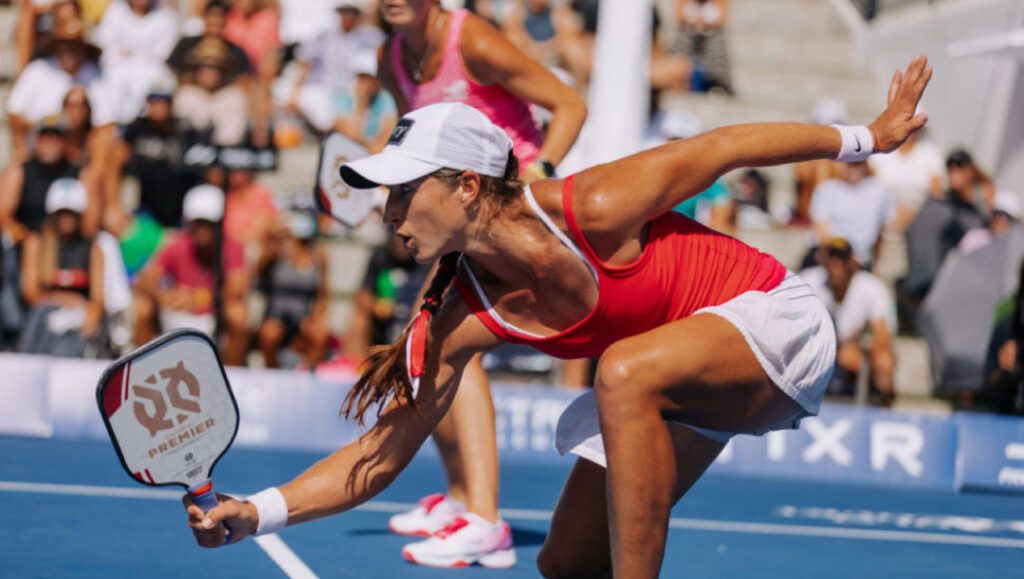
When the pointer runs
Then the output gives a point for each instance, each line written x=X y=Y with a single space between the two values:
x=432 y=514
x=467 y=540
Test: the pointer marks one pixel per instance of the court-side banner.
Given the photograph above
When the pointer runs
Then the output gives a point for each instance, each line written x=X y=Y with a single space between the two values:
x=990 y=453
x=23 y=396
x=45 y=397
x=852 y=444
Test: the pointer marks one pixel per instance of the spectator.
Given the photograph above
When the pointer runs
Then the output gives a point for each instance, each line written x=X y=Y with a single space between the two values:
x=62 y=280
x=251 y=213
x=859 y=304
x=713 y=206
x=90 y=149
x=35 y=24
x=304 y=20
x=702 y=38
x=383 y=305
x=809 y=174
x=855 y=207
x=294 y=274
x=178 y=288
x=210 y=104
x=254 y=26
x=911 y=174
x=41 y=88
x=325 y=73
x=968 y=183
x=1005 y=215
x=24 y=186
x=1003 y=391
x=81 y=145
x=152 y=150
x=938 y=228
x=215 y=15
x=751 y=199
x=136 y=36
x=670 y=70
x=530 y=25
x=575 y=31
x=368 y=113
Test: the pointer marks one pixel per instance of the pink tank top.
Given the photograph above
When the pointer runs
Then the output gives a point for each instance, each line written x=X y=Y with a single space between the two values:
x=453 y=84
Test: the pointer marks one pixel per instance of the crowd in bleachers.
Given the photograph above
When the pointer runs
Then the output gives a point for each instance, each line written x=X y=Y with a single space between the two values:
x=138 y=127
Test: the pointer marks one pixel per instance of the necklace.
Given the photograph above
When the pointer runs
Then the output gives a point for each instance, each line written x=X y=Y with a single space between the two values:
x=417 y=73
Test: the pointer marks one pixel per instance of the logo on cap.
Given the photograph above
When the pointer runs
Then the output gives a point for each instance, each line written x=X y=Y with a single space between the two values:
x=400 y=132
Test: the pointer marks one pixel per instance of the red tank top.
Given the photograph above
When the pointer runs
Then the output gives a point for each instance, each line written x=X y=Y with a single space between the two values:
x=684 y=267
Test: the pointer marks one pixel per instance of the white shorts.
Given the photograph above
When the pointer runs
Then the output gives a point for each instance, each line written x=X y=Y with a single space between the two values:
x=791 y=334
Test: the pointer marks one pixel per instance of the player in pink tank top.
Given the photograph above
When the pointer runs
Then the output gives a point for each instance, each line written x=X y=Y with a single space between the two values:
x=436 y=56
x=699 y=335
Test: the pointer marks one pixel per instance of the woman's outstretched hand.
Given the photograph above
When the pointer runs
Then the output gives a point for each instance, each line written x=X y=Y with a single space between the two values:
x=898 y=121
x=212 y=529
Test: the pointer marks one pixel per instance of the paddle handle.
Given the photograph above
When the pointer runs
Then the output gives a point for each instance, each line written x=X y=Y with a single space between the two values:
x=204 y=496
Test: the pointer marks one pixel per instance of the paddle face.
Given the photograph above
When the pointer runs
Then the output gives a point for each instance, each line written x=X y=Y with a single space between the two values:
x=333 y=197
x=169 y=409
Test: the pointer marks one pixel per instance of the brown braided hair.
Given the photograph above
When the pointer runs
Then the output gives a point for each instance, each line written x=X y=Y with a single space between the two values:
x=384 y=372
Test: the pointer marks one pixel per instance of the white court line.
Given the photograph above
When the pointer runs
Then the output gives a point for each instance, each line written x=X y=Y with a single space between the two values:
x=540 y=515
x=285 y=558
x=272 y=545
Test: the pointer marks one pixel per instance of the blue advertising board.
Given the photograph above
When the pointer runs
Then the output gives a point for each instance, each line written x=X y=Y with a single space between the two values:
x=990 y=452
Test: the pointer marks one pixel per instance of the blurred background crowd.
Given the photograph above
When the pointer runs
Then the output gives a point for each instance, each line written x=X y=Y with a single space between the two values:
x=160 y=164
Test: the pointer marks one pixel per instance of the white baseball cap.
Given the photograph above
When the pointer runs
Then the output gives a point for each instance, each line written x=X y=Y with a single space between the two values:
x=364 y=62
x=204 y=202
x=66 y=194
x=829 y=111
x=446 y=135
x=678 y=124
x=1007 y=202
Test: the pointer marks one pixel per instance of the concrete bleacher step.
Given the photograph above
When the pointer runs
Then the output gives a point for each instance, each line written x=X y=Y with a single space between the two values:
x=913 y=377
x=789 y=89
x=814 y=18
x=771 y=51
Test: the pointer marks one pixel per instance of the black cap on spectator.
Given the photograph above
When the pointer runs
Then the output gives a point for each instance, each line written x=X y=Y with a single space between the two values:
x=839 y=247
x=959 y=158
x=161 y=92
x=52 y=124
x=216 y=5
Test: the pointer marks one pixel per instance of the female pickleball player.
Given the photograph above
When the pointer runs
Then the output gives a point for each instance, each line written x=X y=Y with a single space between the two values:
x=699 y=336
x=435 y=56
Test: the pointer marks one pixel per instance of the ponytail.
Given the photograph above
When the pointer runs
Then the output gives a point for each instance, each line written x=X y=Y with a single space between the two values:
x=393 y=370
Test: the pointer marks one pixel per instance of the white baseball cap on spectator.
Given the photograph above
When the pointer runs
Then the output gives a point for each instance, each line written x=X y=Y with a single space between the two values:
x=678 y=124
x=364 y=62
x=1007 y=202
x=829 y=111
x=358 y=5
x=66 y=194
x=446 y=135
x=203 y=202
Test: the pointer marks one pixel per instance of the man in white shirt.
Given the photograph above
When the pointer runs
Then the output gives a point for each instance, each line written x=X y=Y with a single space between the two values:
x=860 y=304
x=39 y=91
x=910 y=173
x=136 y=36
x=325 y=73
x=854 y=206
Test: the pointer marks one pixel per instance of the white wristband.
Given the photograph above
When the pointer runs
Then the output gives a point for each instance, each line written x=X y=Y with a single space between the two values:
x=271 y=509
x=858 y=144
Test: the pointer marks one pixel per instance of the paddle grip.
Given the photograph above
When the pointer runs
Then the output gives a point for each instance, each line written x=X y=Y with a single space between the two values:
x=203 y=495
x=205 y=498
